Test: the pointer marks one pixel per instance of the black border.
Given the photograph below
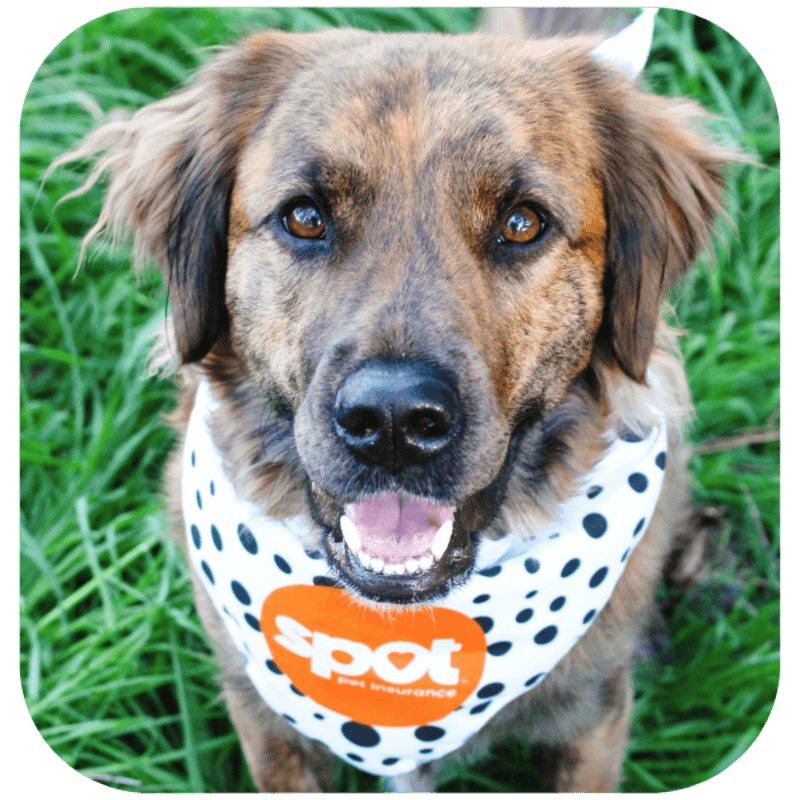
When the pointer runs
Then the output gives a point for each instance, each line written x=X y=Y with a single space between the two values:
x=767 y=29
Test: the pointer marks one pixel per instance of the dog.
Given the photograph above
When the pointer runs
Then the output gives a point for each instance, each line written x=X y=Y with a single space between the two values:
x=431 y=462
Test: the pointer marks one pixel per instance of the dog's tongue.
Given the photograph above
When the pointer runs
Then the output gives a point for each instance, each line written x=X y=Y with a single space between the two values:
x=396 y=534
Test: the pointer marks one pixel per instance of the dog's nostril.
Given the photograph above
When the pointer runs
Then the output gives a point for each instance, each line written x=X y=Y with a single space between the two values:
x=360 y=422
x=428 y=424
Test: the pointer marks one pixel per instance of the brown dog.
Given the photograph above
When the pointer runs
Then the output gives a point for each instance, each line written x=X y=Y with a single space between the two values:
x=419 y=272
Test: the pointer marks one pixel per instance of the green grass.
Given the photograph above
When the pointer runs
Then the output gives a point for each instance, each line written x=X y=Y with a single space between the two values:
x=115 y=667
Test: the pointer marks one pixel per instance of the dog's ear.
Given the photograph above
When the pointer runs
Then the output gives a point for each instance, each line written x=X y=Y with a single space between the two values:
x=172 y=167
x=662 y=180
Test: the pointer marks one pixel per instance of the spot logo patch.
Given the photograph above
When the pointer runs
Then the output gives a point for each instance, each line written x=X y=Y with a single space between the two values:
x=393 y=667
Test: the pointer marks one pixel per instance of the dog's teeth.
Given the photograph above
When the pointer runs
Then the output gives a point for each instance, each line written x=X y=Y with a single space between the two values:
x=364 y=558
x=426 y=561
x=350 y=533
x=377 y=564
x=411 y=565
x=442 y=539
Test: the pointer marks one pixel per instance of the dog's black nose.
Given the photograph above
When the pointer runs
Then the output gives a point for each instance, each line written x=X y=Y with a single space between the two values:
x=396 y=414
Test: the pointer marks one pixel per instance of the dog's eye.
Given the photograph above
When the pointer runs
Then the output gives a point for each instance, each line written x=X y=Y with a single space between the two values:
x=521 y=226
x=304 y=220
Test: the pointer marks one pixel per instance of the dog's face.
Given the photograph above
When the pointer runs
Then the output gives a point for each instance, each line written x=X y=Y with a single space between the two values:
x=416 y=272
x=413 y=247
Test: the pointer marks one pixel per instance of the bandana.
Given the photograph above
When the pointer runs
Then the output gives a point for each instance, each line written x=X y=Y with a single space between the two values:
x=389 y=689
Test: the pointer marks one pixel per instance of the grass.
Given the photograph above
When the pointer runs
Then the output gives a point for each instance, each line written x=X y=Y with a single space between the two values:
x=114 y=665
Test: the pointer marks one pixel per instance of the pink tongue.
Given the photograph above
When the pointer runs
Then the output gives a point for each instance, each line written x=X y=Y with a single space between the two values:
x=393 y=536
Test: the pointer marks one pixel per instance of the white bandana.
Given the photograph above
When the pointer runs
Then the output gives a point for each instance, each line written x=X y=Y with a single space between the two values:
x=389 y=694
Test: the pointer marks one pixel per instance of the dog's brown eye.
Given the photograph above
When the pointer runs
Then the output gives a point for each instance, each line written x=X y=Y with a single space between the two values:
x=521 y=226
x=305 y=221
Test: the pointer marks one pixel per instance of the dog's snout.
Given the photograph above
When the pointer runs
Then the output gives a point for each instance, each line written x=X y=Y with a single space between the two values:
x=393 y=415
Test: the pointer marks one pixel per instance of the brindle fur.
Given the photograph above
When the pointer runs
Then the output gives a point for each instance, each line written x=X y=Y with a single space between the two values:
x=414 y=146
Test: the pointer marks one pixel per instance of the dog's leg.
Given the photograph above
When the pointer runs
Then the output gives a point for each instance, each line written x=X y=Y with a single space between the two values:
x=422 y=779
x=593 y=763
x=276 y=764
x=280 y=760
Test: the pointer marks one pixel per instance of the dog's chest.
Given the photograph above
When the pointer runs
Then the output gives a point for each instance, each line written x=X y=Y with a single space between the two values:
x=388 y=690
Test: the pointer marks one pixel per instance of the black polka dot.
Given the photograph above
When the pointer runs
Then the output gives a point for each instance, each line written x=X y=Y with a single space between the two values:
x=429 y=733
x=211 y=488
x=425 y=750
x=639 y=525
x=241 y=594
x=317 y=715
x=354 y=757
x=589 y=616
x=534 y=679
x=490 y=572
x=481 y=598
x=388 y=762
x=570 y=567
x=296 y=690
x=486 y=623
x=314 y=555
x=637 y=482
x=594 y=491
x=273 y=667
x=362 y=735
x=498 y=648
x=625 y=555
x=247 y=539
x=531 y=594
x=598 y=577
x=546 y=635
x=490 y=690
x=196 y=536
x=252 y=622
x=324 y=580
x=554 y=536
x=558 y=603
x=208 y=572
x=661 y=460
x=479 y=708
x=282 y=565
x=193 y=458
x=595 y=525
x=291 y=719
x=532 y=565
x=524 y=615
x=199 y=499
x=216 y=538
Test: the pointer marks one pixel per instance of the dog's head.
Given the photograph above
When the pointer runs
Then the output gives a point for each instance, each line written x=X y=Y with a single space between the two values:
x=400 y=254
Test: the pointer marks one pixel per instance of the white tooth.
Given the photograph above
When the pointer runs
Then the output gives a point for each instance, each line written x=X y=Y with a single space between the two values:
x=364 y=558
x=350 y=533
x=426 y=561
x=442 y=539
x=411 y=565
x=377 y=564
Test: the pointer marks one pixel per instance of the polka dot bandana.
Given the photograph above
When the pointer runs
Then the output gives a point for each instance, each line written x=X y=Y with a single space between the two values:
x=388 y=693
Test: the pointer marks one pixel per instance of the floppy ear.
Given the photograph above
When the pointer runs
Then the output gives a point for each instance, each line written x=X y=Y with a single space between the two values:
x=663 y=184
x=172 y=167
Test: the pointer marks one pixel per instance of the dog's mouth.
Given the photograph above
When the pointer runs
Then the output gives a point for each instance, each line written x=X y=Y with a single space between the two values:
x=398 y=549
x=394 y=536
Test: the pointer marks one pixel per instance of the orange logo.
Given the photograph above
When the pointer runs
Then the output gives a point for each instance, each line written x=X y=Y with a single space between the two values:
x=379 y=667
